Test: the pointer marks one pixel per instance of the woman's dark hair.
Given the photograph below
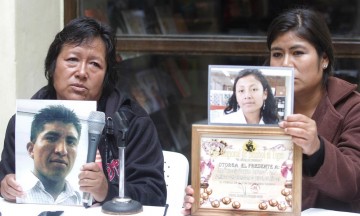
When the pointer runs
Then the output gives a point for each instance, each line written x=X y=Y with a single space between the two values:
x=308 y=25
x=269 y=114
x=78 y=31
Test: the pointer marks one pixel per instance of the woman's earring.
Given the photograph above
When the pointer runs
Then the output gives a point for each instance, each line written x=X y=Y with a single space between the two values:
x=324 y=66
x=264 y=106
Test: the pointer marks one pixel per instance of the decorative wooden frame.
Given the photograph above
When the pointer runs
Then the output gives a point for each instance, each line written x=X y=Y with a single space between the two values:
x=257 y=159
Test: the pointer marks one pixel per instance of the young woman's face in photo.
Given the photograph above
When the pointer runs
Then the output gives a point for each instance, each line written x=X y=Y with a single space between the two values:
x=54 y=151
x=288 y=50
x=250 y=94
x=80 y=71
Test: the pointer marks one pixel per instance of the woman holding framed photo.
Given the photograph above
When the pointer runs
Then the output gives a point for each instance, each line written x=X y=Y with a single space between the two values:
x=326 y=123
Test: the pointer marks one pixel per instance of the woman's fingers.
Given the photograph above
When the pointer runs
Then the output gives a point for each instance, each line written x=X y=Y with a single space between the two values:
x=303 y=131
x=10 y=189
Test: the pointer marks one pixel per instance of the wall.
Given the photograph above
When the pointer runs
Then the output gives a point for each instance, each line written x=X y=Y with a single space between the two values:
x=7 y=62
x=27 y=28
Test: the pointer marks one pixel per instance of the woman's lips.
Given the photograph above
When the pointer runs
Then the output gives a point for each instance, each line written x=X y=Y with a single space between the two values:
x=78 y=87
x=249 y=103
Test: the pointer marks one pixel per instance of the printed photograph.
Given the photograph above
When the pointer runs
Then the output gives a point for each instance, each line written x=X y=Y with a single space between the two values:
x=251 y=95
x=51 y=139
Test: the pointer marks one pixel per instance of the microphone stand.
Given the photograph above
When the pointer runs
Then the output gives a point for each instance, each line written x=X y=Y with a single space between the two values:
x=122 y=205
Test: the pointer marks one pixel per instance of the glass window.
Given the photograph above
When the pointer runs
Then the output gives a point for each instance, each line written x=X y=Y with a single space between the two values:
x=204 y=17
x=167 y=45
x=173 y=89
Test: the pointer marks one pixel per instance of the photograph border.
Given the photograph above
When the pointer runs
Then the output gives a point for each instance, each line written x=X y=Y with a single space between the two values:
x=267 y=71
x=26 y=109
x=210 y=131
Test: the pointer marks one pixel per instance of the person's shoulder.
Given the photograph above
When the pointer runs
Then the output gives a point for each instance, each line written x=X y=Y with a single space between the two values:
x=340 y=90
x=233 y=117
x=121 y=101
x=43 y=93
x=29 y=181
x=133 y=108
x=74 y=196
x=335 y=81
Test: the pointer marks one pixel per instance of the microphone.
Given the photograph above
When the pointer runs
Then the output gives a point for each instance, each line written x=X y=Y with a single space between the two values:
x=123 y=125
x=96 y=123
x=121 y=204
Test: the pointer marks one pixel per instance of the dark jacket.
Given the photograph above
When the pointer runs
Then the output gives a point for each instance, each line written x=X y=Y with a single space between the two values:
x=144 y=173
x=336 y=184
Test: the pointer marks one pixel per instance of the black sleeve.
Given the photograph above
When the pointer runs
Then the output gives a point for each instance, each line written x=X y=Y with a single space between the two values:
x=312 y=164
x=7 y=163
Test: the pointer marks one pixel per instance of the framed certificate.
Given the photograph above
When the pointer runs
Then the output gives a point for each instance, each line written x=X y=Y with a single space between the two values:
x=243 y=170
x=251 y=95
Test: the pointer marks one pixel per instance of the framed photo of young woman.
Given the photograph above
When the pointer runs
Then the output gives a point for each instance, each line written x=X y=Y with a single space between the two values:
x=251 y=95
x=245 y=170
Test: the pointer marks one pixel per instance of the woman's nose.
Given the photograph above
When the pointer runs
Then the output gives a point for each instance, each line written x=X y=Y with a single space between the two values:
x=287 y=61
x=247 y=94
x=81 y=72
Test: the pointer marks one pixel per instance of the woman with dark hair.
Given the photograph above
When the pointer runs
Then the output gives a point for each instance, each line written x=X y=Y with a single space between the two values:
x=82 y=32
x=252 y=101
x=326 y=123
x=81 y=65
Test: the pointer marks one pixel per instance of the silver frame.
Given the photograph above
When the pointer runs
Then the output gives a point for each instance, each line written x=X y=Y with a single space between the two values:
x=227 y=72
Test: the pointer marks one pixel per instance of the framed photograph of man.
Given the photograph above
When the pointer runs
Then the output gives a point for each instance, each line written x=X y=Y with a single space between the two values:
x=252 y=95
x=51 y=145
x=245 y=170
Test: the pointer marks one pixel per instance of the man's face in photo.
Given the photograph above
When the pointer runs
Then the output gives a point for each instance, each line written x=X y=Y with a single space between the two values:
x=54 y=151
